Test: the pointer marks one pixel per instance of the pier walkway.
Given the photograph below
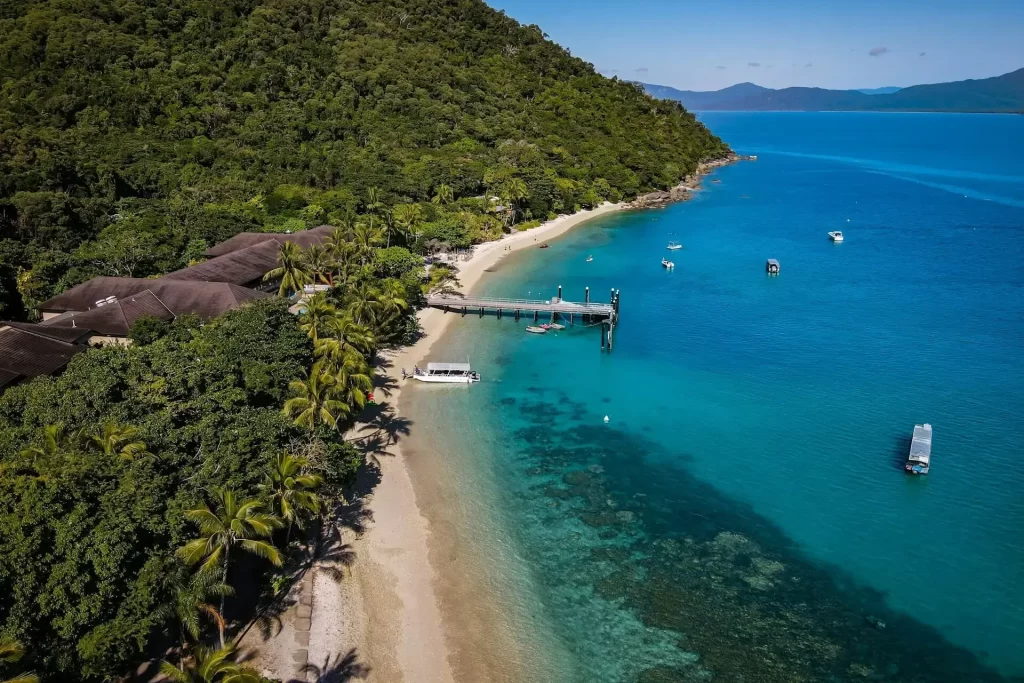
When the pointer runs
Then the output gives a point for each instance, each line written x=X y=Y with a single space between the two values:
x=587 y=312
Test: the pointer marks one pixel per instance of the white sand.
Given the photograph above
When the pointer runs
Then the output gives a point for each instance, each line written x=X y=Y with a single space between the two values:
x=386 y=613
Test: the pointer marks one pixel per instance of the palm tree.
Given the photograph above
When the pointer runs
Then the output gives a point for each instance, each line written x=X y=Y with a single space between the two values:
x=211 y=666
x=291 y=489
x=315 y=321
x=363 y=304
x=513 y=191
x=443 y=194
x=315 y=400
x=392 y=297
x=318 y=264
x=350 y=335
x=373 y=200
x=388 y=217
x=191 y=604
x=352 y=379
x=229 y=524
x=406 y=218
x=119 y=440
x=291 y=269
x=12 y=651
x=366 y=237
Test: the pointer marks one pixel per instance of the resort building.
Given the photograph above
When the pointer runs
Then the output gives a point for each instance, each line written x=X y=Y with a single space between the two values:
x=28 y=350
x=103 y=310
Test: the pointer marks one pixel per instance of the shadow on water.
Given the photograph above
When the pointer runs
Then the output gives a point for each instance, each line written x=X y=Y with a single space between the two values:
x=900 y=450
x=736 y=589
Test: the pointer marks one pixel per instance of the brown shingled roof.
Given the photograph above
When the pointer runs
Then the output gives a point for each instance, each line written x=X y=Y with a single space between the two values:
x=163 y=300
x=69 y=335
x=244 y=240
x=24 y=355
x=205 y=299
x=242 y=267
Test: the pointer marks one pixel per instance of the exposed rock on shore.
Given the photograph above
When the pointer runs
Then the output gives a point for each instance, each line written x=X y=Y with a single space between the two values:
x=685 y=189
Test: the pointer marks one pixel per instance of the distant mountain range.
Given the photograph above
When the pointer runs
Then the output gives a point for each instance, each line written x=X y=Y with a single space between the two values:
x=998 y=94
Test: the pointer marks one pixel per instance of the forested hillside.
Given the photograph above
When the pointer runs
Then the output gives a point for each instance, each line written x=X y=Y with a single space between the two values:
x=133 y=134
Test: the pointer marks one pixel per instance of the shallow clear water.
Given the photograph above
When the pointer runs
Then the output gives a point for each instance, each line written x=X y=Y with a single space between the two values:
x=744 y=515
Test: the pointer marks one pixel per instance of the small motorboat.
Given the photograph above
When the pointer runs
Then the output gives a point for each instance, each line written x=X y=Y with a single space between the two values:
x=673 y=246
x=667 y=264
x=589 y=259
x=450 y=373
x=536 y=329
x=546 y=326
x=836 y=236
x=544 y=246
x=556 y=326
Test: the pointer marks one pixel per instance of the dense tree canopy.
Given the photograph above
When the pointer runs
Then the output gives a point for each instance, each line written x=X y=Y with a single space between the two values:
x=134 y=134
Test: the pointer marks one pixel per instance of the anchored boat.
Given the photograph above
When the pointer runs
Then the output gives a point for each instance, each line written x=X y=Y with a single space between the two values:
x=536 y=329
x=836 y=236
x=919 y=460
x=451 y=373
x=667 y=264
x=672 y=246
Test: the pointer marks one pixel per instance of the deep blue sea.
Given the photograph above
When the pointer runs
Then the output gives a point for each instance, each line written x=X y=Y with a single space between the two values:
x=743 y=516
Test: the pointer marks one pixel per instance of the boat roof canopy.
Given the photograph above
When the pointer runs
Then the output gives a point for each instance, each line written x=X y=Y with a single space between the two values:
x=448 y=367
x=921 y=444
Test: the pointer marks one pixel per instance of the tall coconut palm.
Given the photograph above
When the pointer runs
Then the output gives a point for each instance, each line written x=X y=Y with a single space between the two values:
x=350 y=335
x=12 y=651
x=192 y=603
x=291 y=489
x=443 y=195
x=318 y=264
x=117 y=440
x=339 y=251
x=211 y=666
x=353 y=379
x=362 y=303
x=407 y=217
x=374 y=203
x=229 y=524
x=387 y=217
x=366 y=237
x=319 y=314
x=513 y=191
x=391 y=296
x=315 y=400
x=291 y=269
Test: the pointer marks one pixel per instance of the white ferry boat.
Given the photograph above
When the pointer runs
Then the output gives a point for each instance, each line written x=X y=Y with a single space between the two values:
x=451 y=373
x=920 y=458
x=836 y=236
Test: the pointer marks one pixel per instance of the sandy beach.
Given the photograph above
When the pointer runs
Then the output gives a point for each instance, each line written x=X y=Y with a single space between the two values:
x=383 y=621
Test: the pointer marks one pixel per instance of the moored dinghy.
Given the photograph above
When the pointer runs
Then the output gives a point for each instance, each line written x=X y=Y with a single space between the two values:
x=536 y=329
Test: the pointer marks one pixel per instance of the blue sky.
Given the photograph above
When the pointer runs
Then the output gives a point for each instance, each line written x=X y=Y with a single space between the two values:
x=710 y=44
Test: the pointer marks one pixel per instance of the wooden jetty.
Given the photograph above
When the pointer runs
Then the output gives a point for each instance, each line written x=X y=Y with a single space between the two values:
x=587 y=312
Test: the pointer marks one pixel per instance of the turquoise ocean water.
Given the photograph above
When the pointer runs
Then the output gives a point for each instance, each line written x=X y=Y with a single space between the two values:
x=743 y=516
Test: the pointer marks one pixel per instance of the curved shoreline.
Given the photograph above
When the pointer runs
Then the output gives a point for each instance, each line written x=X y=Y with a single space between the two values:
x=388 y=613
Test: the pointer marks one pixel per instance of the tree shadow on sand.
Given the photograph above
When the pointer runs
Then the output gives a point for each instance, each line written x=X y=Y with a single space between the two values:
x=336 y=669
x=381 y=429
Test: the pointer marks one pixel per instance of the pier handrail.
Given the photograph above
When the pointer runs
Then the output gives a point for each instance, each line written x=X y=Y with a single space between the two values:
x=441 y=299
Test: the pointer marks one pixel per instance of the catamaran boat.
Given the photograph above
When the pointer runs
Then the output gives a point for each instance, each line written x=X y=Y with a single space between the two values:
x=668 y=264
x=836 y=236
x=672 y=246
x=919 y=460
x=452 y=373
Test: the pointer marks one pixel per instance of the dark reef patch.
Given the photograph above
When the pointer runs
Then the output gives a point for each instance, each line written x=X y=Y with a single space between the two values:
x=683 y=557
